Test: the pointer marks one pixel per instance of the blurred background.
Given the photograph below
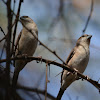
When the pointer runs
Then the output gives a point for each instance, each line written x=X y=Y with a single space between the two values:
x=59 y=25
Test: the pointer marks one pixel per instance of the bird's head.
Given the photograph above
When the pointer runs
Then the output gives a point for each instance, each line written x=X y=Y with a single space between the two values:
x=28 y=22
x=84 y=40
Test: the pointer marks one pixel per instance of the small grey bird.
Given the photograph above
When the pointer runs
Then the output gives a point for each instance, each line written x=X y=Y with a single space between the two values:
x=26 y=44
x=78 y=59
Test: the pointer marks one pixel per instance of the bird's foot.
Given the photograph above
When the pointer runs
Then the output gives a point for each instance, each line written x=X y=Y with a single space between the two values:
x=87 y=77
x=75 y=72
x=40 y=59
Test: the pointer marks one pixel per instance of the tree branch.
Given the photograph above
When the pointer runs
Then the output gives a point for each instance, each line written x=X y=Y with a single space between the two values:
x=50 y=62
x=8 y=39
x=46 y=81
x=16 y=20
x=91 y=10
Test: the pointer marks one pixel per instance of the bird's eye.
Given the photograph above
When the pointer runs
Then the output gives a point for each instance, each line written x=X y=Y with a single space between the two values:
x=83 y=36
x=25 y=16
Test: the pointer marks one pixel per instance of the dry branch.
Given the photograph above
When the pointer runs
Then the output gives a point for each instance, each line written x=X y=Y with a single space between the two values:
x=46 y=81
x=50 y=62
x=8 y=39
x=16 y=22
x=89 y=17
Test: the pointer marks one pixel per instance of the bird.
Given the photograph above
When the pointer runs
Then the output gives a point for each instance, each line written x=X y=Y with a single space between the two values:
x=78 y=60
x=26 y=44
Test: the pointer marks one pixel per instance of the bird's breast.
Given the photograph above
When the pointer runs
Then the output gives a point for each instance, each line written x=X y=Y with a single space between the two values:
x=80 y=59
x=27 y=44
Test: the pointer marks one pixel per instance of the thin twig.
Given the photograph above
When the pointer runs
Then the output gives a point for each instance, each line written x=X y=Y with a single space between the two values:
x=15 y=29
x=58 y=74
x=2 y=39
x=5 y=38
x=91 y=10
x=2 y=30
x=46 y=81
x=38 y=95
x=14 y=2
x=3 y=34
x=2 y=50
x=49 y=71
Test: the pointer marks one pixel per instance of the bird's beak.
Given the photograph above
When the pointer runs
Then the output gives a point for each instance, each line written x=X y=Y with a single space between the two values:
x=89 y=36
x=21 y=18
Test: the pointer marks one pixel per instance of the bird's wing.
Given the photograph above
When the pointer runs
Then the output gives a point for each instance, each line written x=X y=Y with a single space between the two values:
x=70 y=56
x=68 y=59
x=17 y=42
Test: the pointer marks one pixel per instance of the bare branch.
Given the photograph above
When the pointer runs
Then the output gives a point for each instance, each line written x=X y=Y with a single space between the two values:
x=2 y=39
x=46 y=81
x=16 y=20
x=91 y=10
x=14 y=2
x=2 y=50
x=66 y=67
x=2 y=30
x=8 y=39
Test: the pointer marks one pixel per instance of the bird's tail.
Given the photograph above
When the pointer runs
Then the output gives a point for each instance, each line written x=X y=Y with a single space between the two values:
x=61 y=91
x=15 y=78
